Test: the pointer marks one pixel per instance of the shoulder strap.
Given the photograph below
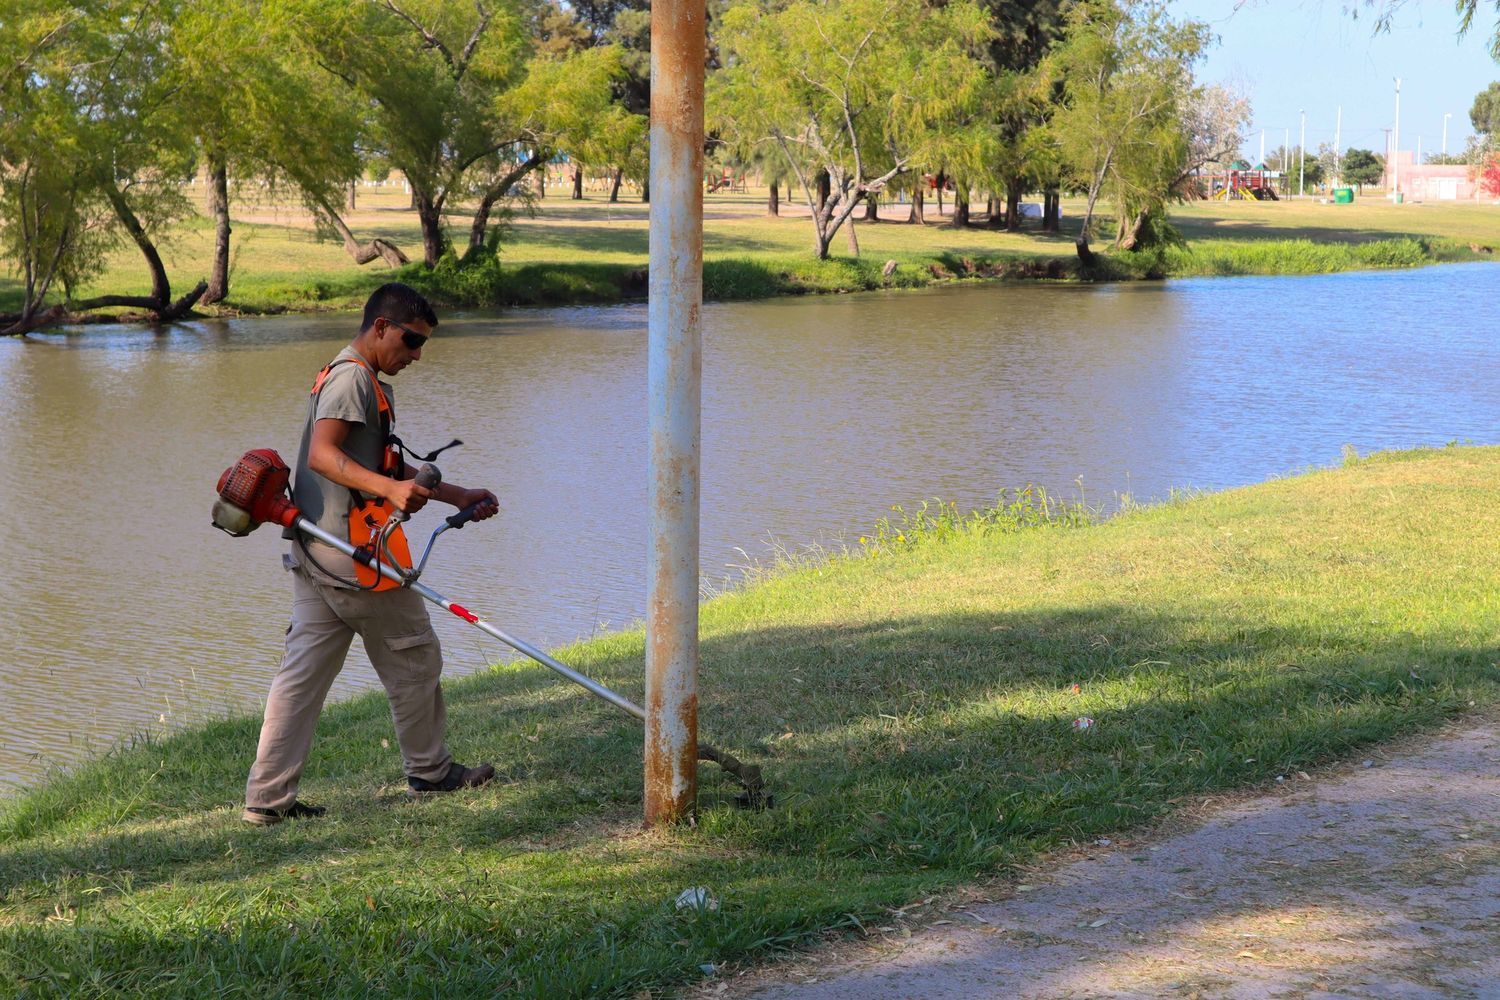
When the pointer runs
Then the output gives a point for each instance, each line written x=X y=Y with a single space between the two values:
x=383 y=403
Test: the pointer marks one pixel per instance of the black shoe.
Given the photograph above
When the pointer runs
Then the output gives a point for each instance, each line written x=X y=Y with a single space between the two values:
x=458 y=777
x=270 y=817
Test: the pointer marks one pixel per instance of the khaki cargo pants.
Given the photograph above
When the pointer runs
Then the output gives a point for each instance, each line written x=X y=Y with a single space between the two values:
x=404 y=650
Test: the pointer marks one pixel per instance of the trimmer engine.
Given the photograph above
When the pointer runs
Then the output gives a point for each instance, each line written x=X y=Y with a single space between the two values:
x=252 y=492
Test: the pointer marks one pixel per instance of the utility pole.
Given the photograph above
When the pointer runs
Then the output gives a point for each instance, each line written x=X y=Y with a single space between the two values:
x=1262 y=161
x=1338 y=150
x=674 y=401
x=1446 y=116
x=1286 y=162
x=1396 y=146
x=1302 y=156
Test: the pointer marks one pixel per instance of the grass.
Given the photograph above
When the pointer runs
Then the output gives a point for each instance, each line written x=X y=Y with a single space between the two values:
x=592 y=251
x=912 y=704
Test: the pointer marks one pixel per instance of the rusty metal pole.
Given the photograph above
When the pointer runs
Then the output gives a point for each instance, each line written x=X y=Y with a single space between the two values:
x=678 y=42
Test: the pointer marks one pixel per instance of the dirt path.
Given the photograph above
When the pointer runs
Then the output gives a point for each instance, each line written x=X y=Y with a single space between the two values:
x=1380 y=880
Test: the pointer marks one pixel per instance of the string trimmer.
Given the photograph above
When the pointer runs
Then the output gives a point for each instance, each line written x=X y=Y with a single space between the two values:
x=253 y=492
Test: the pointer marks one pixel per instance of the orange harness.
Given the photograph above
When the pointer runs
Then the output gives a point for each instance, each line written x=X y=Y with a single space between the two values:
x=368 y=517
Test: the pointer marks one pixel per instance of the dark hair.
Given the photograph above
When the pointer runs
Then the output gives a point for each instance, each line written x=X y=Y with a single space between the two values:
x=398 y=303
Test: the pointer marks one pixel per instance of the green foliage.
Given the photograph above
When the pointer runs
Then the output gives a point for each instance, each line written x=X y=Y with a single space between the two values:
x=1484 y=113
x=1126 y=69
x=1361 y=166
x=857 y=89
x=1023 y=508
x=1297 y=256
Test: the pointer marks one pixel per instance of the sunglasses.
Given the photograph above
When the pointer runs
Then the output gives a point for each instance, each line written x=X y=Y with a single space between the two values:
x=411 y=338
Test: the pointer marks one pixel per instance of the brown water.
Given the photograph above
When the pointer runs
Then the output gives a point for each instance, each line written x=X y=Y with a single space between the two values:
x=125 y=611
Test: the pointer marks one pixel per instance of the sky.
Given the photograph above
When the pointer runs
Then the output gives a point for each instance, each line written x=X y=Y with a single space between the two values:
x=1290 y=56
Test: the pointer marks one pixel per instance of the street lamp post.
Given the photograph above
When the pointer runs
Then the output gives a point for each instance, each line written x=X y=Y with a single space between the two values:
x=1302 y=156
x=1446 y=116
x=1396 y=147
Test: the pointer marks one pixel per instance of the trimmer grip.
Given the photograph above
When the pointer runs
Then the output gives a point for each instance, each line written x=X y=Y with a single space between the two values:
x=429 y=478
x=463 y=517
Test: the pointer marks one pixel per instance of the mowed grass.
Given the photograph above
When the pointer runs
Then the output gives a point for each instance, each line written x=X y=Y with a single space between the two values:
x=594 y=251
x=913 y=708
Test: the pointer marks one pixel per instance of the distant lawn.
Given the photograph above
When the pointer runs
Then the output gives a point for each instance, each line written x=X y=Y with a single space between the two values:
x=914 y=709
x=588 y=251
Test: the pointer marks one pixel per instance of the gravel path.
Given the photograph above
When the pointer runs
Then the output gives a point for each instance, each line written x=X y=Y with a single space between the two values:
x=1379 y=880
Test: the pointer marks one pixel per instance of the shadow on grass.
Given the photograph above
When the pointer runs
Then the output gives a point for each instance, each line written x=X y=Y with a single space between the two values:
x=907 y=743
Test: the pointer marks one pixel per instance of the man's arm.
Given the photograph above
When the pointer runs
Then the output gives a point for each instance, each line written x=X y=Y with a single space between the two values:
x=326 y=457
x=461 y=497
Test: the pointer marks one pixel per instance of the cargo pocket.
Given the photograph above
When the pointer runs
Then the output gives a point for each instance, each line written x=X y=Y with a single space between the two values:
x=416 y=655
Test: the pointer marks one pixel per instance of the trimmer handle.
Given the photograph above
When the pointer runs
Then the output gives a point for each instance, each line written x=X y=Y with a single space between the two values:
x=429 y=478
x=463 y=517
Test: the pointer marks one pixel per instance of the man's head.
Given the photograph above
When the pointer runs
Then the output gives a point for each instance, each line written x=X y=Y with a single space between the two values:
x=397 y=322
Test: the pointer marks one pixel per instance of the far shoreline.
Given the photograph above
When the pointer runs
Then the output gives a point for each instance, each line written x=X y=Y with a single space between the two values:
x=563 y=285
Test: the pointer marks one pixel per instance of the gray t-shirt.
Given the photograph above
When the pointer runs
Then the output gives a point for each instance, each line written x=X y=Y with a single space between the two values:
x=348 y=394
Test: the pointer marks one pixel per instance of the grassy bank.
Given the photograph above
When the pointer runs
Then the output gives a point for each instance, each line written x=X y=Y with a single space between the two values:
x=592 y=251
x=913 y=708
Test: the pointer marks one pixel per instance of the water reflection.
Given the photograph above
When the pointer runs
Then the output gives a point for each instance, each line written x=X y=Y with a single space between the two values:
x=126 y=610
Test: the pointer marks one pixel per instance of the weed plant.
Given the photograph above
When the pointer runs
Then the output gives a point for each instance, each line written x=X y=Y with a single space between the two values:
x=913 y=712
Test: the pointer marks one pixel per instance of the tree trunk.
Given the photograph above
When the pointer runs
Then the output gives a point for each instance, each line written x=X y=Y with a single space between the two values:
x=614 y=191
x=1051 y=210
x=918 y=215
x=825 y=189
x=872 y=209
x=853 y=239
x=161 y=289
x=1130 y=237
x=494 y=193
x=431 y=218
x=646 y=191
x=578 y=184
x=773 y=201
x=160 y=302
x=218 y=201
x=541 y=186
x=1013 y=206
x=349 y=203
x=941 y=181
x=961 y=207
x=362 y=253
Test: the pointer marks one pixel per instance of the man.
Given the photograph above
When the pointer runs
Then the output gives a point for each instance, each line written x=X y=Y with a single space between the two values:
x=349 y=475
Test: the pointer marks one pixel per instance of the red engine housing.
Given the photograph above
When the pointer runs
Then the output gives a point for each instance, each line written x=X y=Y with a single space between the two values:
x=252 y=492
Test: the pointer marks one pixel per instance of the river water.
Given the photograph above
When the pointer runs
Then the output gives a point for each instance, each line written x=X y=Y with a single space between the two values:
x=124 y=610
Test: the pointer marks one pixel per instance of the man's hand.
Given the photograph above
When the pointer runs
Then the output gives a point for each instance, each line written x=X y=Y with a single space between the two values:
x=488 y=505
x=405 y=495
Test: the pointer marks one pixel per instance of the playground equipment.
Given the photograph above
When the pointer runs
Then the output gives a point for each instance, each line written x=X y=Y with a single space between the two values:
x=1243 y=185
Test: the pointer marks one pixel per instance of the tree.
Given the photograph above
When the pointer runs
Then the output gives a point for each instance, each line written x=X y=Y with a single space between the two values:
x=261 y=115
x=51 y=225
x=856 y=89
x=1126 y=71
x=1362 y=166
x=1484 y=113
x=105 y=94
x=1487 y=174
x=1213 y=121
x=432 y=75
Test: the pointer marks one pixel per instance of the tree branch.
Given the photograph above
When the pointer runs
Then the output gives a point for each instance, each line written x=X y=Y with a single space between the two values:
x=431 y=41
